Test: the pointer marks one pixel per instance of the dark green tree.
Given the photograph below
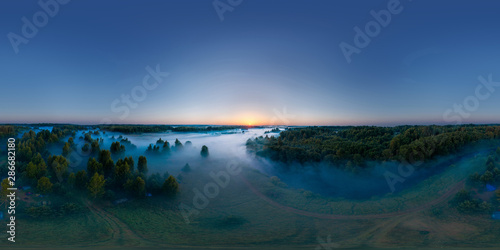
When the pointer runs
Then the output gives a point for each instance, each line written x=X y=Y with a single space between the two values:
x=170 y=186
x=96 y=186
x=487 y=177
x=81 y=179
x=178 y=144
x=93 y=166
x=137 y=187
x=44 y=185
x=166 y=147
x=154 y=183
x=58 y=166
x=186 y=168
x=122 y=172
x=104 y=155
x=107 y=163
x=36 y=168
x=95 y=146
x=142 y=165
x=86 y=148
x=130 y=162
x=117 y=148
x=204 y=151
x=66 y=149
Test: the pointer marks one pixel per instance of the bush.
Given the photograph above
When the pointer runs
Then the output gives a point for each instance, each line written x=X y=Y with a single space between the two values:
x=37 y=212
x=308 y=194
x=466 y=204
x=70 y=208
x=277 y=182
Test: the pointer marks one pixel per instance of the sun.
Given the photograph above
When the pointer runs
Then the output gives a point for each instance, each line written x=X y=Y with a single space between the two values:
x=249 y=119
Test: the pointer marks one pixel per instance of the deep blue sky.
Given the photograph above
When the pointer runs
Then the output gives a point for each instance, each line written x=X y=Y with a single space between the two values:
x=264 y=56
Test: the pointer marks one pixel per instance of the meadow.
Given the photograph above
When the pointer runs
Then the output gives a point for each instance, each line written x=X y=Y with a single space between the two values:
x=254 y=209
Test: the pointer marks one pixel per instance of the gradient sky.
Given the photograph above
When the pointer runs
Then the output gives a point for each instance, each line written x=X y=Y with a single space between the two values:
x=264 y=57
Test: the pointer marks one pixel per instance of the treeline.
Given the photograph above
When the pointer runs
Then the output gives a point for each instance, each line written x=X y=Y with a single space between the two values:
x=59 y=125
x=465 y=203
x=464 y=200
x=7 y=131
x=32 y=143
x=130 y=129
x=103 y=177
x=491 y=174
x=353 y=146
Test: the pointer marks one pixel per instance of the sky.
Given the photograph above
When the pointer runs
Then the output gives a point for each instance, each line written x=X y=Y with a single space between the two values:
x=250 y=62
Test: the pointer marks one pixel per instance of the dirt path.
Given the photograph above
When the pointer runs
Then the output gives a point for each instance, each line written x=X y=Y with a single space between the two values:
x=121 y=233
x=454 y=189
x=124 y=237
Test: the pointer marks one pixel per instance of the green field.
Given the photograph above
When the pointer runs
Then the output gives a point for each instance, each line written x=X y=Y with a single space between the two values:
x=253 y=212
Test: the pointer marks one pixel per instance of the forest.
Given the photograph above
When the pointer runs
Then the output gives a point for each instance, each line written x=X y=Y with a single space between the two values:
x=130 y=129
x=351 y=147
x=8 y=130
x=103 y=178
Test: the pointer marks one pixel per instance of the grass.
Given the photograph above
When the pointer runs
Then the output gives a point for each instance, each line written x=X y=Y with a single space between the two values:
x=77 y=230
x=238 y=216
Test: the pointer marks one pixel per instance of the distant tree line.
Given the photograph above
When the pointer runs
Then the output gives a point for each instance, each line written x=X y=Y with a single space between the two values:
x=7 y=131
x=352 y=146
x=130 y=129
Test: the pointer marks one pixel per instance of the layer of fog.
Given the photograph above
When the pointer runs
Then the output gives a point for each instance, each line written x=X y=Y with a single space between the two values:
x=228 y=146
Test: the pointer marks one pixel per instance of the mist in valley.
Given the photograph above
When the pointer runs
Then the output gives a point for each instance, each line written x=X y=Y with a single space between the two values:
x=228 y=147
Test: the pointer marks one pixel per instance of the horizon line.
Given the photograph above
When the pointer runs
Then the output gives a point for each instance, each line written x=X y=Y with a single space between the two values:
x=260 y=125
